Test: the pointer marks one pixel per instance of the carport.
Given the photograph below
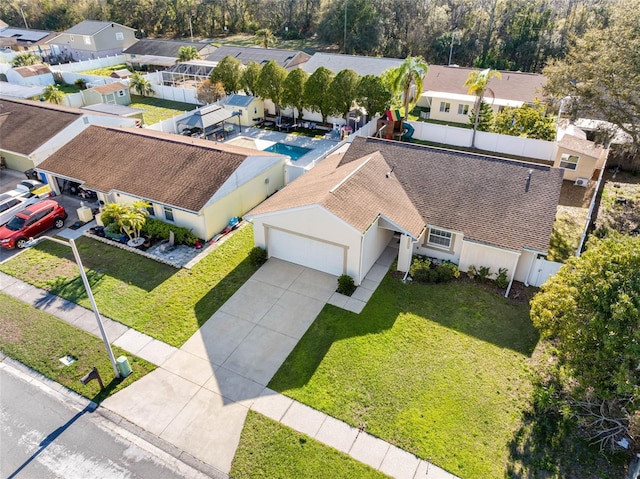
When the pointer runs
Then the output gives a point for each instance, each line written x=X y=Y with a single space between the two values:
x=209 y=119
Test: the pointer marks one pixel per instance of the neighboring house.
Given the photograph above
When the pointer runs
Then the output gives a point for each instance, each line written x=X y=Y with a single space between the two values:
x=359 y=64
x=288 y=59
x=444 y=93
x=92 y=39
x=192 y=183
x=249 y=108
x=27 y=39
x=580 y=158
x=112 y=93
x=31 y=130
x=32 y=75
x=469 y=209
x=153 y=54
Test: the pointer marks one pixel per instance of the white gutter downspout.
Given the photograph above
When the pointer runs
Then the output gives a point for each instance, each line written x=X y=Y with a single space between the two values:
x=515 y=265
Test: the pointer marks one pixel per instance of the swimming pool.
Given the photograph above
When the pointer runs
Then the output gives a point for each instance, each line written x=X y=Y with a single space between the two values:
x=295 y=152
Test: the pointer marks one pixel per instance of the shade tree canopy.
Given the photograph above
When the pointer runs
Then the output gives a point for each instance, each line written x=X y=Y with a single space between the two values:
x=228 y=72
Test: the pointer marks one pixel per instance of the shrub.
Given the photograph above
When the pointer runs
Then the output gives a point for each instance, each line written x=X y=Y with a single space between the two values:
x=346 y=285
x=420 y=269
x=258 y=256
x=81 y=83
x=501 y=278
x=483 y=273
x=472 y=271
x=159 y=230
x=447 y=272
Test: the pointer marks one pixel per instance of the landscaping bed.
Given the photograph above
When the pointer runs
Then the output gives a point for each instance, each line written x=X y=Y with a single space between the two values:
x=619 y=208
x=151 y=297
x=38 y=340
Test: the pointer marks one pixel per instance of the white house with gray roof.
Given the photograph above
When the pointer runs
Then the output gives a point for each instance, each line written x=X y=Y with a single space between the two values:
x=92 y=39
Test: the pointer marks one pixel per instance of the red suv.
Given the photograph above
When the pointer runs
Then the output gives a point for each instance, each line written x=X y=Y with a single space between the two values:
x=32 y=221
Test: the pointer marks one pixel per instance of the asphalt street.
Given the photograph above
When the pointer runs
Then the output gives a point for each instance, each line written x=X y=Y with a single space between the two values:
x=42 y=435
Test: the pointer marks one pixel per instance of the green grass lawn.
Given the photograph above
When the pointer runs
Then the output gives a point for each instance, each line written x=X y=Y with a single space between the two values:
x=270 y=450
x=157 y=109
x=37 y=339
x=106 y=71
x=68 y=89
x=567 y=231
x=154 y=298
x=442 y=371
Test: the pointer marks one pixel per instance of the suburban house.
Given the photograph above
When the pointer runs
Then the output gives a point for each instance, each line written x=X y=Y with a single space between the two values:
x=359 y=64
x=288 y=59
x=113 y=93
x=154 y=54
x=580 y=159
x=249 y=108
x=22 y=39
x=466 y=208
x=33 y=75
x=92 y=39
x=445 y=97
x=189 y=182
x=30 y=131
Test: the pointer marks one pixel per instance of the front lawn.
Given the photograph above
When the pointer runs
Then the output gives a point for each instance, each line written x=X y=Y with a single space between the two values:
x=442 y=371
x=105 y=71
x=37 y=339
x=157 y=109
x=151 y=297
x=270 y=450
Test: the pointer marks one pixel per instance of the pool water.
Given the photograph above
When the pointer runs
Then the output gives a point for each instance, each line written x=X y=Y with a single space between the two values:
x=295 y=152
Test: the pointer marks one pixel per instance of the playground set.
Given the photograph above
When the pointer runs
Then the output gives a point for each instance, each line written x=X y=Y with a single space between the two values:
x=393 y=128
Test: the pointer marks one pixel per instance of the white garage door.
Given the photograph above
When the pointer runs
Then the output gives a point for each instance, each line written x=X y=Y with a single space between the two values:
x=306 y=251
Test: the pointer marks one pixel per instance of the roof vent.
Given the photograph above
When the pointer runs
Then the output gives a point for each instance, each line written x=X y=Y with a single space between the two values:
x=526 y=187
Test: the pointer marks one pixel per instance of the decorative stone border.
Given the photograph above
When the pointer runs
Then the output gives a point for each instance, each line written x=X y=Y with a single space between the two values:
x=132 y=250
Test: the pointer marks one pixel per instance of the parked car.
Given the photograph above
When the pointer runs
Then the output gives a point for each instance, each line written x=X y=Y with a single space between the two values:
x=12 y=202
x=30 y=222
x=33 y=188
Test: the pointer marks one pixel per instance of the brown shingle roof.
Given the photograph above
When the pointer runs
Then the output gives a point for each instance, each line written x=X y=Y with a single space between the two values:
x=109 y=88
x=579 y=145
x=29 y=124
x=168 y=169
x=483 y=197
x=32 y=70
x=357 y=192
x=516 y=86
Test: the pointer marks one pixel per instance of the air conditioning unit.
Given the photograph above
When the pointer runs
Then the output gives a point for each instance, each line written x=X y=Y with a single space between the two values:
x=582 y=182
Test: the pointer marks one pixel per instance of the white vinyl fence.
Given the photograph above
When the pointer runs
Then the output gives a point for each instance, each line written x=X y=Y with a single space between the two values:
x=542 y=270
x=89 y=64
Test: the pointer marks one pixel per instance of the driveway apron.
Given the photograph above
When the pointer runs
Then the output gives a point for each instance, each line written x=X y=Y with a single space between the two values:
x=199 y=397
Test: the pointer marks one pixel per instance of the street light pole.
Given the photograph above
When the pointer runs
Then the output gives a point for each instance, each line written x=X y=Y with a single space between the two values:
x=24 y=19
x=71 y=243
x=344 y=45
x=453 y=36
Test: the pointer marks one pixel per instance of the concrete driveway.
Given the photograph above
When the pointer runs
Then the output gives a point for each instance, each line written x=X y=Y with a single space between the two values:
x=198 y=399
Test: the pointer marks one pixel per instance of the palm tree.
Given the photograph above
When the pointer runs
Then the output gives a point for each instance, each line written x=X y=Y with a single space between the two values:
x=25 y=59
x=410 y=72
x=53 y=95
x=130 y=218
x=141 y=85
x=265 y=37
x=477 y=85
x=186 y=54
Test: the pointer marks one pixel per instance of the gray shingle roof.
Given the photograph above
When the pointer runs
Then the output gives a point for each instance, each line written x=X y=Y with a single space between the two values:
x=91 y=27
x=284 y=58
x=162 y=48
x=359 y=64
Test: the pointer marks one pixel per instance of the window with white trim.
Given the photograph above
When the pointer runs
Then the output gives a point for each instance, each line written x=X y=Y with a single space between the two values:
x=168 y=214
x=445 y=107
x=439 y=238
x=119 y=36
x=151 y=210
x=463 y=109
x=569 y=162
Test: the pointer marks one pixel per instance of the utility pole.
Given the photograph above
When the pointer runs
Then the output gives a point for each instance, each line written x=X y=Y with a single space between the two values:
x=24 y=19
x=344 y=44
x=453 y=36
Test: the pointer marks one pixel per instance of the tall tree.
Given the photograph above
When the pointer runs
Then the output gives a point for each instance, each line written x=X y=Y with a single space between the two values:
x=265 y=38
x=186 y=54
x=477 y=85
x=25 y=59
x=250 y=76
x=409 y=75
x=293 y=94
x=271 y=83
x=208 y=92
x=591 y=310
x=53 y=95
x=317 y=92
x=601 y=72
x=228 y=72
x=372 y=95
x=344 y=91
x=484 y=121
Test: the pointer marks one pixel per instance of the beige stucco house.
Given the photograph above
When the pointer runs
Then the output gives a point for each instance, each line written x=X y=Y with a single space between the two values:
x=92 y=39
x=465 y=208
x=196 y=184
x=444 y=93
x=30 y=131
x=579 y=158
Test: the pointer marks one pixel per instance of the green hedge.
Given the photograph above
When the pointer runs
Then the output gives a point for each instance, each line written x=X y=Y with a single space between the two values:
x=159 y=230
